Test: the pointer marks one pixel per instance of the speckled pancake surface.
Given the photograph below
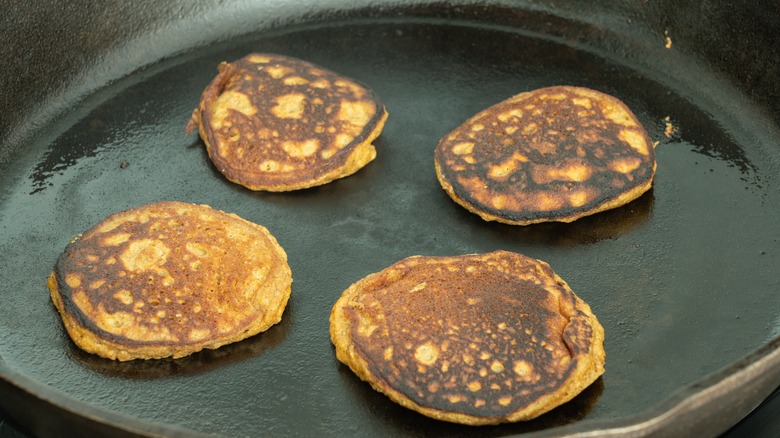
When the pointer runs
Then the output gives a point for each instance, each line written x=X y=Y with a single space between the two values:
x=277 y=123
x=475 y=339
x=168 y=279
x=552 y=154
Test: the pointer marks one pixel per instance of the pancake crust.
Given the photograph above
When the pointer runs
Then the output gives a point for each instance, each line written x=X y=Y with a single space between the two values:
x=552 y=154
x=474 y=339
x=168 y=279
x=277 y=123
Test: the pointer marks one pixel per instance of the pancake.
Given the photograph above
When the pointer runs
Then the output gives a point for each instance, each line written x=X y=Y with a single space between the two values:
x=552 y=154
x=277 y=123
x=474 y=339
x=168 y=279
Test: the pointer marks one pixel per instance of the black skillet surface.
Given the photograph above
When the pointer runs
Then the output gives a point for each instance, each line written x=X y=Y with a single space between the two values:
x=683 y=279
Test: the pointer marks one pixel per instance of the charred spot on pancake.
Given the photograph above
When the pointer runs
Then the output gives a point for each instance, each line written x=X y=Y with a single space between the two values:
x=552 y=154
x=477 y=339
x=169 y=279
x=277 y=123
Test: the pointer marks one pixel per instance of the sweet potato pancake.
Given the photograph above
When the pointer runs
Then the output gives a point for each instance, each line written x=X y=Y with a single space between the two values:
x=552 y=154
x=475 y=339
x=169 y=279
x=277 y=123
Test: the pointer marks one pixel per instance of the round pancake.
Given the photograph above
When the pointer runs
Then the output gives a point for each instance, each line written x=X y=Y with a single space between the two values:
x=552 y=154
x=168 y=279
x=475 y=339
x=277 y=123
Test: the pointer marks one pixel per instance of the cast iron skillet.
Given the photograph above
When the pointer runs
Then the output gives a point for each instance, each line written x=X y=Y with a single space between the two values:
x=684 y=279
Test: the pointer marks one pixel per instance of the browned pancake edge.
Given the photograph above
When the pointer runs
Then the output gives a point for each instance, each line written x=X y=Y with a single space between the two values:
x=475 y=339
x=553 y=154
x=169 y=279
x=277 y=123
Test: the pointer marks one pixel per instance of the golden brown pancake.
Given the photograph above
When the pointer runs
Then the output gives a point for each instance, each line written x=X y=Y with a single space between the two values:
x=168 y=279
x=277 y=123
x=552 y=154
x=475 y=339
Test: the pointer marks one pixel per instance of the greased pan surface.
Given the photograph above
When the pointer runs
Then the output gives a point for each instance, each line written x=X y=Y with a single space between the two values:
x=684 y=279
